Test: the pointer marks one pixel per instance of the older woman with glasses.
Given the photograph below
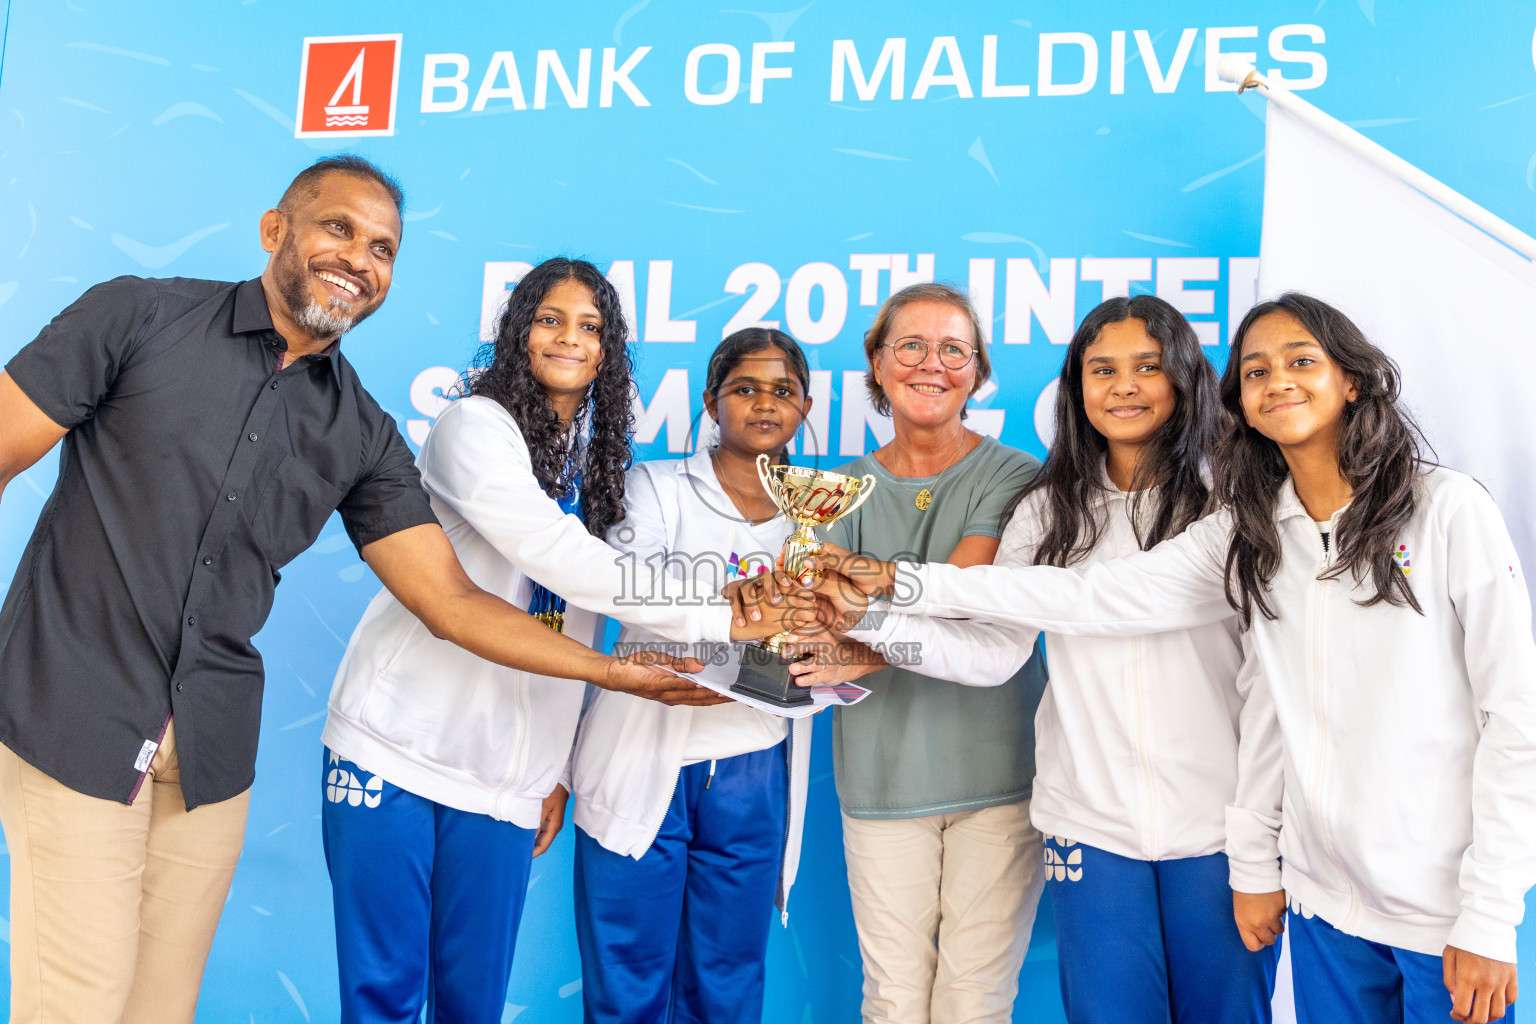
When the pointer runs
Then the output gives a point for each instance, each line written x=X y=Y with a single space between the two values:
x=934 y=769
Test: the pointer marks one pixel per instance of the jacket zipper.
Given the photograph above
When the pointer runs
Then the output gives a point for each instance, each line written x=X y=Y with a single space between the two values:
x=789 y=810
x=1153 y=840
x=677 y=774
x=1320 y=720
x=662 y=819
x=520 y=753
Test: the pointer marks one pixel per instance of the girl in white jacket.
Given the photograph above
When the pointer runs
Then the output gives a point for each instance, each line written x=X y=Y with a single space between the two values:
x=688 y=819
x=1387 y=629
x=1136 y=738
x=444 y=774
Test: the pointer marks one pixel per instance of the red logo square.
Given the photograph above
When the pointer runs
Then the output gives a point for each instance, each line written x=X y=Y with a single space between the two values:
x=347 y=86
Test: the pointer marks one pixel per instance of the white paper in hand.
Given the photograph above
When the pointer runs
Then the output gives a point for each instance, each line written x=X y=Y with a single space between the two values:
x=720 y=677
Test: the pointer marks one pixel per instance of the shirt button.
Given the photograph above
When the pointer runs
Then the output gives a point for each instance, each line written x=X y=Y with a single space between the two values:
x=274 y=385
x=251 y=435
x=231 y=496
x=207 y=559
x=191 y=620
x=178 y=687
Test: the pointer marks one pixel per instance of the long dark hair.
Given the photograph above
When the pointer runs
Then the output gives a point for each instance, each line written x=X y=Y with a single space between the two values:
x=1175 y=458
x=1380 y=457
x=508 y=379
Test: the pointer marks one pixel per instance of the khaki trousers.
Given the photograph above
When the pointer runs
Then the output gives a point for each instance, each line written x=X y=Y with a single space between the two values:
x=113 y=907
x=943 y=906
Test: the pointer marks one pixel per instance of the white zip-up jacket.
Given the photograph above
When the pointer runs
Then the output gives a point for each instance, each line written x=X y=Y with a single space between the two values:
x=1136 y=737
x=440 y=722
x=629 y=751
x=1409 y=742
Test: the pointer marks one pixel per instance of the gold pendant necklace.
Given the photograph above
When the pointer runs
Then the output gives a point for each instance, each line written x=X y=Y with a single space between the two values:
x=925 y=496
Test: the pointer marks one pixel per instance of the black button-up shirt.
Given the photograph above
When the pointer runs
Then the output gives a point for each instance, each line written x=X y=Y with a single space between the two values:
x=194 y=468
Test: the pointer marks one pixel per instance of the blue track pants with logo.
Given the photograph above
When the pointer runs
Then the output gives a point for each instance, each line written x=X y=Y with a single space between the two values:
x=1152 y=941
x=680 y=935
x=427 y=898
x=1342 y=977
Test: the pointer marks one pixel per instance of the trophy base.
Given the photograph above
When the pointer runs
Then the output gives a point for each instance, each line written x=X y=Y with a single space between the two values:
x=765 y=675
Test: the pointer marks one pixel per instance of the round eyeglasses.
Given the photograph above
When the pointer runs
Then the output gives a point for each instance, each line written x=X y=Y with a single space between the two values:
x=956 y=355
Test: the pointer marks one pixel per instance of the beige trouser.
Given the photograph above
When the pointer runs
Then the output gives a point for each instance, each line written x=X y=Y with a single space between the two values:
x=113 y=907
x=944 y=906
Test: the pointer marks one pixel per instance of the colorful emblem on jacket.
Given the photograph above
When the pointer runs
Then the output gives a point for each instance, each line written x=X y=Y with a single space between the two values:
x=741 y=567
x=1404 y=558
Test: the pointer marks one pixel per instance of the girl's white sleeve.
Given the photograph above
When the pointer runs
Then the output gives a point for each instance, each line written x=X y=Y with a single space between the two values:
x=476 y=461
x=1253 y=817
x=1488 y=591
x=966 y=651
x=963 y=651
x=1176 y=585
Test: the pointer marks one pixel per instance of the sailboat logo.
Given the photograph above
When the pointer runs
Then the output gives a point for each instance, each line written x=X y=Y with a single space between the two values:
x=347 y=86
x=355 y=115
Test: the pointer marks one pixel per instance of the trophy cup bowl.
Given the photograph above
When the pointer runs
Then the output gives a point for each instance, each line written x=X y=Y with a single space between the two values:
x=811 y=498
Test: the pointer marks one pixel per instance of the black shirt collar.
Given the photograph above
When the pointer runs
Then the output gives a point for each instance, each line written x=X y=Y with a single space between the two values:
x=252 y=316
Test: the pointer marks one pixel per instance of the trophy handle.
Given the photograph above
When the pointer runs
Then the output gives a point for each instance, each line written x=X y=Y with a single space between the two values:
x=866 y=488
x=763 y=462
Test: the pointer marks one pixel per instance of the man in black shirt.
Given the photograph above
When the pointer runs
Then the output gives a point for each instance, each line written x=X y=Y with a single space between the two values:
x=209 y=431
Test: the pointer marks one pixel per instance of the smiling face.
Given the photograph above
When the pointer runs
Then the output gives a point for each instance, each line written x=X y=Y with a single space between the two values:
x=1292 y=392
x=565 y=344
x=333 y=253
x=759 y=405
x=1126 y=396
x=929 y=394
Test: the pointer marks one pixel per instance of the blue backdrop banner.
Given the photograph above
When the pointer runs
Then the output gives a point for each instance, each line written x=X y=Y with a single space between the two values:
x=726 y=167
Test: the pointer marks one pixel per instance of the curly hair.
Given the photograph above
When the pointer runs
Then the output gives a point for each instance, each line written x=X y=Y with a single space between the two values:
x=507 y=378
x=1381 y=455
x=1175 y=458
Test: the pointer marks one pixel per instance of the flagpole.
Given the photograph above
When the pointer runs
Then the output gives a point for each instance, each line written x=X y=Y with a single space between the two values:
x=1235 y=69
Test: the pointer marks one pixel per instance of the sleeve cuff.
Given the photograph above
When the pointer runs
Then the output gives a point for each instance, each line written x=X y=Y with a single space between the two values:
x=714 y=624
x=20 y=372
x=1478 y=933
x=378 y=531
x=876 y=625
x=917 y=573
x=1254 y=876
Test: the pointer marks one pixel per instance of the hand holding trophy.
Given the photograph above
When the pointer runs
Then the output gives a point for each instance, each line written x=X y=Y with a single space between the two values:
x=811 y=498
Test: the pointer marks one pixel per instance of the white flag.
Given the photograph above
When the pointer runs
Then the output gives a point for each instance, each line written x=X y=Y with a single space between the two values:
x=1454 y=307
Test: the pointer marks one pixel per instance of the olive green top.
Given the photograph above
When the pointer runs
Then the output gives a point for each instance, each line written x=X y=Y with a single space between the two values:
x=918 y=745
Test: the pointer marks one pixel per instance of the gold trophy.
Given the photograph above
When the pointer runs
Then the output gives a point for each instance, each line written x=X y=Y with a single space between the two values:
x=811 y=498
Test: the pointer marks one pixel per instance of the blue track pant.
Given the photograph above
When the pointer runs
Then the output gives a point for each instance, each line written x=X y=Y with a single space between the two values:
x=428 y=900
x=680 y=935
x=1152 y=941
x=1342 y=977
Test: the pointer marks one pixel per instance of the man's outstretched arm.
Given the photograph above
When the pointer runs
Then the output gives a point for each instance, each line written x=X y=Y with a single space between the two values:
x=420 y=567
